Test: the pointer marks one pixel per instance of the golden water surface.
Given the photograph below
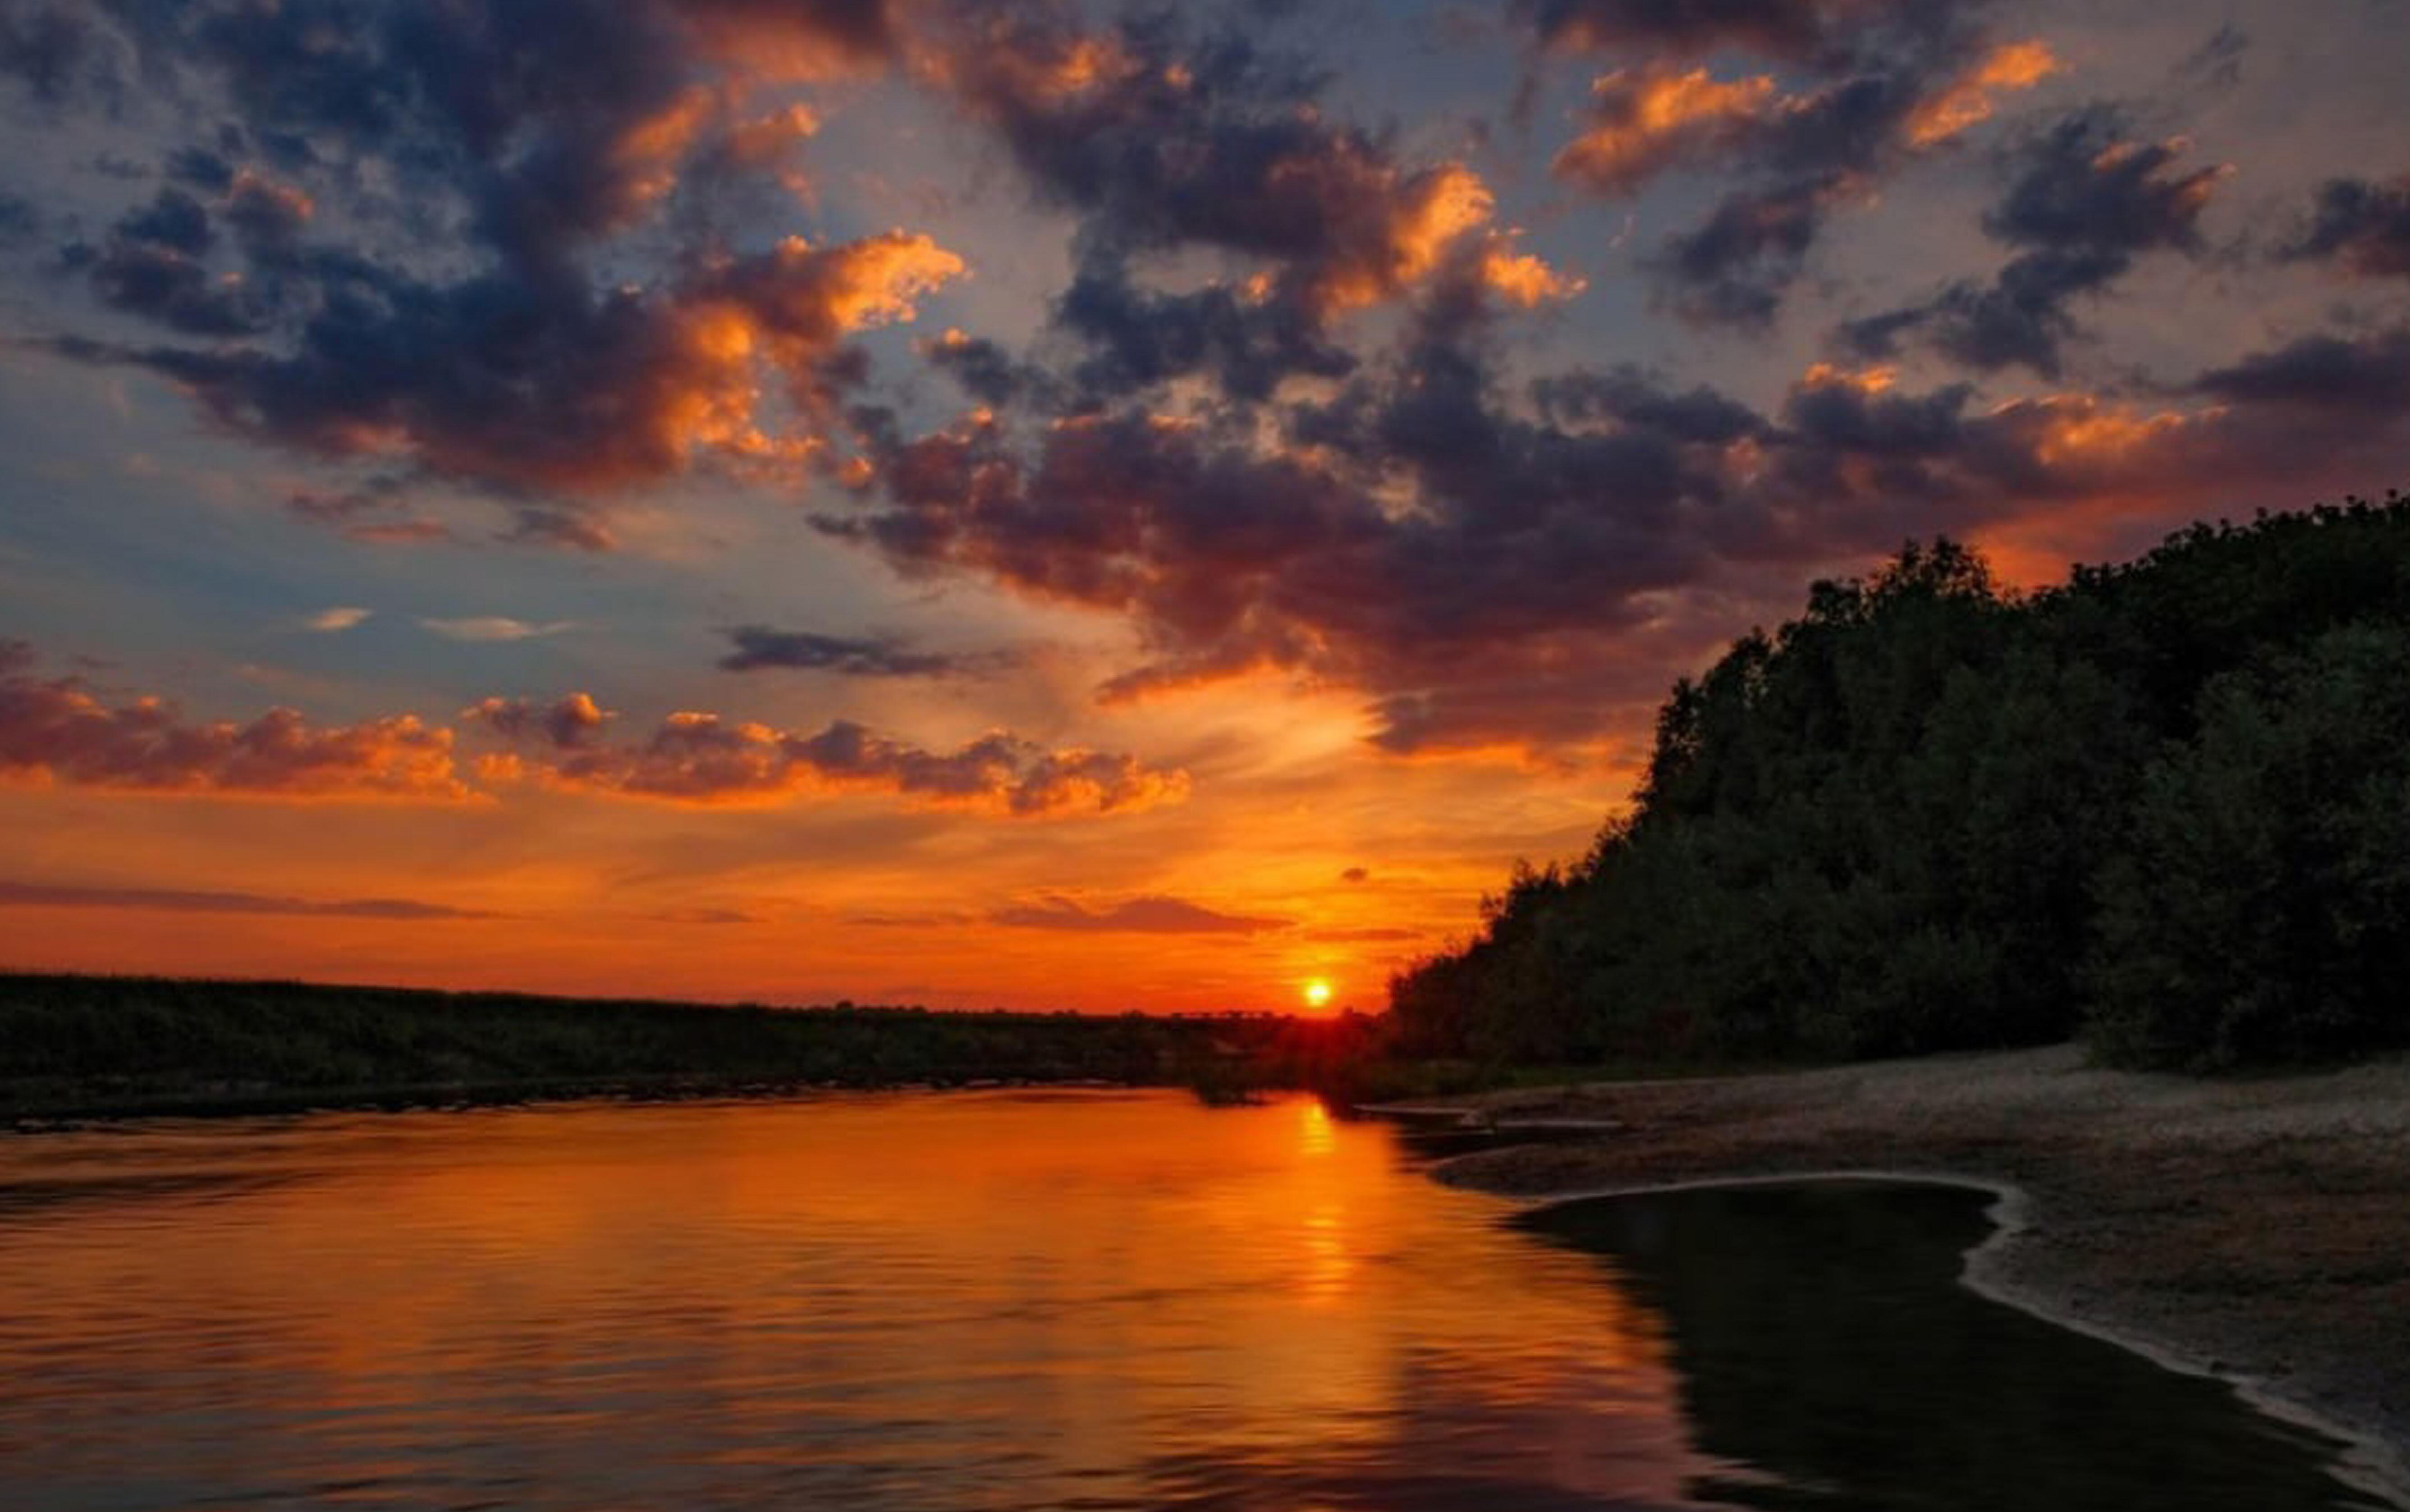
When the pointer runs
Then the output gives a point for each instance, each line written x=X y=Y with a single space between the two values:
x=970 y=1301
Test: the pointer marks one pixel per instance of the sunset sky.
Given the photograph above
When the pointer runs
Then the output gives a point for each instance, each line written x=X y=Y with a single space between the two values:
x=1057 y=505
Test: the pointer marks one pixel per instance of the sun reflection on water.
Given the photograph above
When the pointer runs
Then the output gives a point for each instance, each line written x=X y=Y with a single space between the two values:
x=1005 y=1300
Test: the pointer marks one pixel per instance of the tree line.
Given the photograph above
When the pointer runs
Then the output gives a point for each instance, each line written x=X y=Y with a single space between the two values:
x=75 y=1045
x=2164 y=806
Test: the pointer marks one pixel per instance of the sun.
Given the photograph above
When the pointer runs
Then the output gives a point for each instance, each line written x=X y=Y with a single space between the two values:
x=1318 y=994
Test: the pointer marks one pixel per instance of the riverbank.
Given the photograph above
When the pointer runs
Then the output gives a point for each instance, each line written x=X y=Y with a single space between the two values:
x=2253 y=1230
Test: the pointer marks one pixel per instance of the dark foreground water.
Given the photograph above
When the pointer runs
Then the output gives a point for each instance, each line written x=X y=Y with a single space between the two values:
x=1023 y=1300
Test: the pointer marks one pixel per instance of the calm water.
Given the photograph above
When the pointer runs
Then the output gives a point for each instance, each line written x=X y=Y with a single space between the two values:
x=1015 y=1300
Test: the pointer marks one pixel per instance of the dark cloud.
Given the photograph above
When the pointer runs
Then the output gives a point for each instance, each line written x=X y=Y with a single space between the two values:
x=570 y=390
x=758 y=646
x=1814 y=152
x=1501 y=568
x=2363 y=227
x=1356 y=874
x=52 y=50
x=154 y=266
x=990 y=374
x=570 y=722
x=174 y=221
x=2369 y=375
x=176 y=901
x=1160 y=140
x=207 y=171
x=1139 y=915
x=2086 y=183
x=2085 y=201
x=526 y=138
x=1139 y=339
x=2218 y=63
x=698 y=758
x=1911 y=79
x=1785 y=28
x=1734 y=268
x=58 y=729
x=268 y=219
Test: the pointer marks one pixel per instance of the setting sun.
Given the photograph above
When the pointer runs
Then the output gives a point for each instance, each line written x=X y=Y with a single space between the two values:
x=1318 y=994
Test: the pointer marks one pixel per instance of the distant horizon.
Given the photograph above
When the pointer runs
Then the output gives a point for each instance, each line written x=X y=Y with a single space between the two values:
x=778 y=1004
x=1066 y=505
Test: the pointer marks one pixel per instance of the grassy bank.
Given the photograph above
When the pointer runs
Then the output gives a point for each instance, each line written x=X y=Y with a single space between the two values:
x=80 y=1046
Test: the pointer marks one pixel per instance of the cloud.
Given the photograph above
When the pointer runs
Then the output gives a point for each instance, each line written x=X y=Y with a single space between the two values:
x=52 y=50
x=1160 y=141
x=796 y=39
x=596 y=392
x=483 y=628
x=57 y=730
x=1734 y=269
x=1138 y=915
x=2367 y=375
x=758 y=646
x=333 y=621
x=700 y=758
x=1644 y=120
x=2085 y=201
x=2085 y=183
x=1969 y=98
x=1912 y=80
x=2362 y=227
x=1688 y=28
x=703 y=916
x=154 y=266
x=1247 y=341
x=531 y=137
x=1356 y=874
x=1501 y=569
x=176 y=901
x=566 y=723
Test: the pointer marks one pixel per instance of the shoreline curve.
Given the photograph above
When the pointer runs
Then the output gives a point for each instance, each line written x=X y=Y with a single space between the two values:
x=2366 y=1463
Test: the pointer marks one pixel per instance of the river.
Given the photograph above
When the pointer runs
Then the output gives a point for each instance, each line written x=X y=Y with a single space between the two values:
x=1009 y=1300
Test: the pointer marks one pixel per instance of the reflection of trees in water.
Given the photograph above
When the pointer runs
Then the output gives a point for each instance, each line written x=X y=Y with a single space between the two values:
x=1821 y=1340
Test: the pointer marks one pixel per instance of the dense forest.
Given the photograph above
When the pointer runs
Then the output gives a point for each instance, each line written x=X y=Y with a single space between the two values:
x=2164 y=806
x=81 y=1044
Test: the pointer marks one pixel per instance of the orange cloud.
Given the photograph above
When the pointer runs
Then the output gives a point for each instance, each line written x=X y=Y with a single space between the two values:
x=1644 y=121
x=1967 y=100
x=793 y=39
x=1422 y=216
x=55 y=730
x=700 y=758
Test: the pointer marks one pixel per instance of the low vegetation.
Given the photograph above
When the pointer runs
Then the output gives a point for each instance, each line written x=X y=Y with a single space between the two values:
x=83 y=1044
x=2165 y=805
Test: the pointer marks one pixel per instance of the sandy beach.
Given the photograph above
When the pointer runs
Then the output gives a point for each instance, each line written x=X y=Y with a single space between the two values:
x=2255 y=1230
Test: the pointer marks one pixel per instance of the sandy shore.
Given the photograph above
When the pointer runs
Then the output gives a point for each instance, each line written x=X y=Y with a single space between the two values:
x=2257 y=1230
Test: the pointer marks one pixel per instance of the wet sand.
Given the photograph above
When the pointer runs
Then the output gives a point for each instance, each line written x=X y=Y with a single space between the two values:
x=2255 y=1230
